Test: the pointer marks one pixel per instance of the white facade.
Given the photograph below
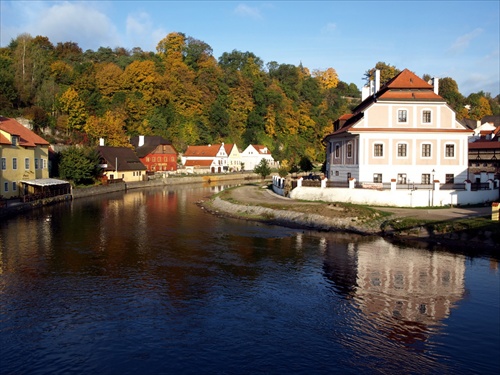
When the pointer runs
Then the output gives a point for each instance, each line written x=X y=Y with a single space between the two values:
x=404 y=133
x=253 y=154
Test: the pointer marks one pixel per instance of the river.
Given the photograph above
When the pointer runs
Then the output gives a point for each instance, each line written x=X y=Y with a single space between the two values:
x=146 y=282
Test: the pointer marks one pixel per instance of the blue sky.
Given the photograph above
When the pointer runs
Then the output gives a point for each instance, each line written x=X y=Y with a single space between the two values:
x=457 y=39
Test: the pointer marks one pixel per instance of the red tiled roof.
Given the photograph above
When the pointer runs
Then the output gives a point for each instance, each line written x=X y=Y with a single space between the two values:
x=198 y=163
x=407 y=80
x=4 y=140
x=27 y=138
x=483 y=145
x=228 y=148
x=262 y=149
x=347 y=116
x=202 y=151
x=409 y=95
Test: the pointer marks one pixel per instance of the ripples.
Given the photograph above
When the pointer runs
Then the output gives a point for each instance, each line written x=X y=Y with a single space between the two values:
x=185 y=292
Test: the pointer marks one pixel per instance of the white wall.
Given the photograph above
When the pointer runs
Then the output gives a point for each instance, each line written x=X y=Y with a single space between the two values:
x=397 y=198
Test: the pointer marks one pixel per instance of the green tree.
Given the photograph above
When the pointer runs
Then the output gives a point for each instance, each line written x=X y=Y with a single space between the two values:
x=387 y=72
x=79 y=165
x=263 y=169
x=305 y=164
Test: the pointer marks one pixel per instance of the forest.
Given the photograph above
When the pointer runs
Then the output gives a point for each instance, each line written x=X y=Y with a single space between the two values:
x=186 y=95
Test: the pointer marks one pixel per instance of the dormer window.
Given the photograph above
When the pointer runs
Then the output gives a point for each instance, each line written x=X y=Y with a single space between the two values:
x=15 y=140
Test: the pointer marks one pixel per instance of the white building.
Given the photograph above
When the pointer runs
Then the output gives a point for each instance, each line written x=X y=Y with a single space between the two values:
x=253 y=154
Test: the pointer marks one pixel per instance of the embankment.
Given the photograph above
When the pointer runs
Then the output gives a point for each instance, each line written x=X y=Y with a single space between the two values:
x=14 y=208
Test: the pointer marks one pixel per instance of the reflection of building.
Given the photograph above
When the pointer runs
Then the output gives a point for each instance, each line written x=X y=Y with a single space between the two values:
x=413 y=286
x=403 y=292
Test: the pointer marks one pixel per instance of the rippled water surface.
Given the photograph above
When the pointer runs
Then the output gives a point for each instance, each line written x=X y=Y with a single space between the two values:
x=146 y=282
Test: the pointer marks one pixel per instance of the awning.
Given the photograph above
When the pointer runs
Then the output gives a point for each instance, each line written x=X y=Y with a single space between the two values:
x=44 y=182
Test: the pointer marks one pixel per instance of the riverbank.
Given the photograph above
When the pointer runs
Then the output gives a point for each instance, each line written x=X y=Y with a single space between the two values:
x=15 y=207
x=469 y=227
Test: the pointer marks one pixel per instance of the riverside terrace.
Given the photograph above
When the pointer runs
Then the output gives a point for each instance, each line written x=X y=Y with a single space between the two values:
x=391 y=194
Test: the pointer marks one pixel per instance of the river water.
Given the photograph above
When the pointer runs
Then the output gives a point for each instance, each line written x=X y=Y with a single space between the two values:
x=146 y=282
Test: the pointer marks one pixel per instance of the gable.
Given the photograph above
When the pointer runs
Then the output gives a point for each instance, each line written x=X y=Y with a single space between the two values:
x=120 y=158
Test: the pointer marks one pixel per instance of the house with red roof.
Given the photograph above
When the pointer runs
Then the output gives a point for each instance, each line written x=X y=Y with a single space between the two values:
x=253 y=154
x=24 y=157
x=484 y=151
x=402 y=132
x=206 y=159
x=156 y=153
x=233 y=157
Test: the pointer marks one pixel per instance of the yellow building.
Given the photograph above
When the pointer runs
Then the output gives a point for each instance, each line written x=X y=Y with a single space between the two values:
x=23 y=154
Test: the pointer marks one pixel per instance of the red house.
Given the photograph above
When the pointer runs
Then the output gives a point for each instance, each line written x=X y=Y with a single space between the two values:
x=155 y=152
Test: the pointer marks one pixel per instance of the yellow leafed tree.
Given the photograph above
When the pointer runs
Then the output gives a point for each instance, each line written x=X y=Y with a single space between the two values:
x=328 y=78
x=111 y=127
x=108 y=79
x=74 y=107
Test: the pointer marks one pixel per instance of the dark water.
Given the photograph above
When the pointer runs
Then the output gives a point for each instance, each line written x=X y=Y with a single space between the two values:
x=147 y=283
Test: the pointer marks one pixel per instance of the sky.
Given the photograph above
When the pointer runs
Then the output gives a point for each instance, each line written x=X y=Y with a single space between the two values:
x=456 y=39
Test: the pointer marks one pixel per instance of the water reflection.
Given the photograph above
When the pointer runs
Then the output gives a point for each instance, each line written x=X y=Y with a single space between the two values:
x=401 y=294
x=146 y=279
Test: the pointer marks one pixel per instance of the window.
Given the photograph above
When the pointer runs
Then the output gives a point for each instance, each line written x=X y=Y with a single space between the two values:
x=337 y=151
x=450 y=151
x=450 y=178
x=401 y=178
x=426 y=117
x=14 y=163
x=14 y=140
x=337 y=173
x=402 y=150
x=426 y=178
x=4 y=164
x=426 y=150
x=14 y=186
x=6 y=186
x=378 y=150
x=349 y=150
x=402 y=115
x=377 y=177
x=27 y=163
x=37 y=165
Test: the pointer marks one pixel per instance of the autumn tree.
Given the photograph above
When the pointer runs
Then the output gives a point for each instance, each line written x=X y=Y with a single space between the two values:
x=387 y=72
x=110 y=127
x=478 y=106
x=109 y=79
x=71 y=104
x=328 y=78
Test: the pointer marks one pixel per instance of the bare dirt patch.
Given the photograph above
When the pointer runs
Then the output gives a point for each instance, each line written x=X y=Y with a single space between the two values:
x=254 y=195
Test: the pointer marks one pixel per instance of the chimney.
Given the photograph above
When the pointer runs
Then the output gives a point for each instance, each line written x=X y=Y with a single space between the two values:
x=373 y=85
x=377 y=81
x=101 y=141
x=141 y=140
x=435 y=83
